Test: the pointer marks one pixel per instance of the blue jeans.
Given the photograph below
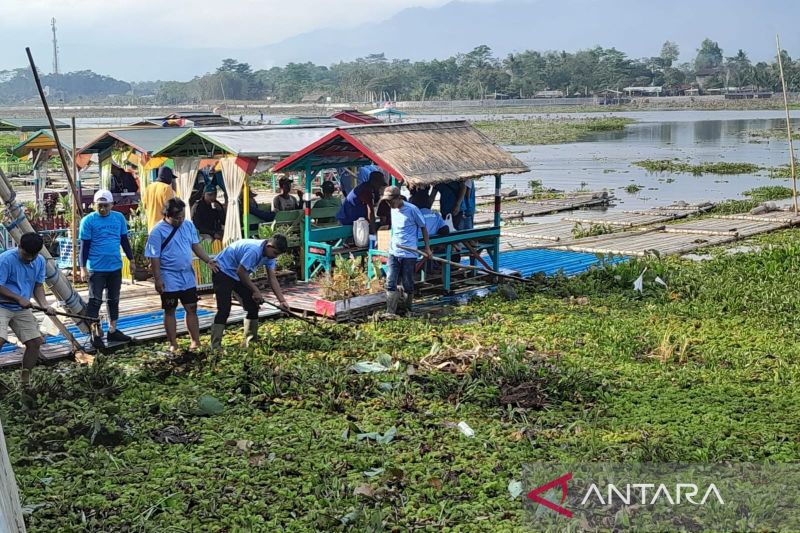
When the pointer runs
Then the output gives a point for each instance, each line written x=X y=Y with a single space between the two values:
x=467 y=222
x=111 y=282
x=402 y=268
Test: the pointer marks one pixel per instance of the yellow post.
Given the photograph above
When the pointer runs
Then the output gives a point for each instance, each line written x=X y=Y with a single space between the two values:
x=246 y=209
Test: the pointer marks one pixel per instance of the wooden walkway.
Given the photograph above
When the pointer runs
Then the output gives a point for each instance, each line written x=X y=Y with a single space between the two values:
x=141 y=317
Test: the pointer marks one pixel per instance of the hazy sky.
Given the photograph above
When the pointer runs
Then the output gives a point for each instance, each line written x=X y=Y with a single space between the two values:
x=138 y=40
x=126 y=25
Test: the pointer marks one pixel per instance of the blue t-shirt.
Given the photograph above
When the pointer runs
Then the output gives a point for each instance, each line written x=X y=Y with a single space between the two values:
x=104 y=232
x=448 y=195
x=18 y=276
x=433 y=221
x=406 y=221
x=468 y=206
x=354 y=205
x=247 y=253
x=365 y=171
x=176 y=257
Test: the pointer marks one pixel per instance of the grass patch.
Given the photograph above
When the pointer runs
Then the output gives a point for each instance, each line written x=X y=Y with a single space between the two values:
x=770 y=192
x=677 y=166
x=580 y=231
x=539 y=131
x=575 y=369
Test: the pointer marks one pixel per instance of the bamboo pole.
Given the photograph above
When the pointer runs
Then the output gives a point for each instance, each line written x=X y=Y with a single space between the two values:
x=76 y=206
x=788 y=126
x=61 y=153
x=17 y=226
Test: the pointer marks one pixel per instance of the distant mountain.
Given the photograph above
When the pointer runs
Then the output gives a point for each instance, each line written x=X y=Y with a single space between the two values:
x=633 y=26
x=636 y=27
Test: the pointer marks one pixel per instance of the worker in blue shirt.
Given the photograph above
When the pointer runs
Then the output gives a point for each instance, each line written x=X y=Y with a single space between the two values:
x=101 y=234
x=406 y=221
x=451 y=200
x=169 y=248
x=21 y=276
x=236 y=264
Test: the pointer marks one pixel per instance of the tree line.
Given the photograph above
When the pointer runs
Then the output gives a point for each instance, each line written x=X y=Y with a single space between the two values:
x=473 y=75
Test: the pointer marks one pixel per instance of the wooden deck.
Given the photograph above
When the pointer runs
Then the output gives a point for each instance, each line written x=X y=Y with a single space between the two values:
x=141 y=317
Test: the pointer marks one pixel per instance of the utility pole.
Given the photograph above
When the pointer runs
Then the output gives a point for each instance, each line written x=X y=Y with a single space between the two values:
x=55 y=46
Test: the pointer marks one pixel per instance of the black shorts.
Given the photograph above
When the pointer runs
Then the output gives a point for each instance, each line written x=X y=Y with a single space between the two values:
x=169 y=300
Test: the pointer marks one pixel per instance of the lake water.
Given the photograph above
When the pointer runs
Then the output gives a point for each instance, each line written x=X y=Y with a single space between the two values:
x=604 y=161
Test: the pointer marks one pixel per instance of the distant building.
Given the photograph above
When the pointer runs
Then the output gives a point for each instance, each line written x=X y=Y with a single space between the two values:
x=353 y=116
x=643 y=91
x=549 y=94
x=188 y=119
x=314 y=98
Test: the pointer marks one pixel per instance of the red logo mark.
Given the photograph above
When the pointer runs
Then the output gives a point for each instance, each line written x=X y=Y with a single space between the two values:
x=559 y=482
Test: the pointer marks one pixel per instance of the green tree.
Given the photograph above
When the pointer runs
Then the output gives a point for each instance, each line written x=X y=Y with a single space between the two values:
x=669 y=54
x=709 y=55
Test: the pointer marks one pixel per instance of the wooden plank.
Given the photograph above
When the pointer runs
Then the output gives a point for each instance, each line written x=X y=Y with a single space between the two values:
x=11 y=518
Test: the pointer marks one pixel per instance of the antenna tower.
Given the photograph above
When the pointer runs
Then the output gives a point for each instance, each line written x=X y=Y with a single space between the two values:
x=55 y=46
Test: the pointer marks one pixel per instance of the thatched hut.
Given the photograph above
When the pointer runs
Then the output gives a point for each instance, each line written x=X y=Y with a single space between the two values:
x=414 y=153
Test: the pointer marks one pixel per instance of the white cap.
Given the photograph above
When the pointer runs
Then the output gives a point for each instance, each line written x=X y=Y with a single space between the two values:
x=103 y=196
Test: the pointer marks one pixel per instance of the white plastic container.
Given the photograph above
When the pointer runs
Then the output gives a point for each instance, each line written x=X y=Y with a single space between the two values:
x=361 y=232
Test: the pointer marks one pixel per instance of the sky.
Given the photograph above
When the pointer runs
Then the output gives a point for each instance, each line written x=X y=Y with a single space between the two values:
x=137 y=40
x=115 y=28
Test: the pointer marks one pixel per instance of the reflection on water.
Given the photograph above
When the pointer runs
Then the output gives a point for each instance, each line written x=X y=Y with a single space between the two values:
x=603 y=161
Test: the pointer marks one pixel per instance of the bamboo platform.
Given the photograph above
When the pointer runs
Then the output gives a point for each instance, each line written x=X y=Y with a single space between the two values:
x=521 y=208
x=684 y=237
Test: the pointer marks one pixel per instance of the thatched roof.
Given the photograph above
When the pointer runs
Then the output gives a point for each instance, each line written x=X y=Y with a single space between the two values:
x=418 y=153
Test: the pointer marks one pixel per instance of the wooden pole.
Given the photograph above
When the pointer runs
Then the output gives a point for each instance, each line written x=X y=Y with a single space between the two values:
x=76 y=206
x=788 y=126
x=11 y=518
x=61 y=153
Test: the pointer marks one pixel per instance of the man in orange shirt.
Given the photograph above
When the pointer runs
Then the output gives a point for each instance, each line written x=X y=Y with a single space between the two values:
x=155 y=197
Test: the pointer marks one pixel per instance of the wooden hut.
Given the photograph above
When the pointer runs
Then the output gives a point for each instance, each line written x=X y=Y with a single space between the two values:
x=418 y=154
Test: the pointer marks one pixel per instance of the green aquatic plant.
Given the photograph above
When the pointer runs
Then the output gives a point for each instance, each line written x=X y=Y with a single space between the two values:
x=680 y=167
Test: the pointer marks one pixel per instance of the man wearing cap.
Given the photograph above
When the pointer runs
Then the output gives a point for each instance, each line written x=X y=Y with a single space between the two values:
x=21 y=276
x=406 y=222
x=156 y=195
x=101 y=234
x=209 y=215
x=169 y=247
x=236 y=264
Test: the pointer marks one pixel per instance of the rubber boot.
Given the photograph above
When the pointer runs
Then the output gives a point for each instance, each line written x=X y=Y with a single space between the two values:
x=407 y=302
x=392 y=301
x=217 y=331
x=250 y=331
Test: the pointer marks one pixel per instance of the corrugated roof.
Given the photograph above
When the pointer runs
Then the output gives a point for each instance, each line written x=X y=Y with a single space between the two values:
x=354 y=116
x=43 y=140
x=143 y=140
x=28 y=124
x=263 y=142
x=418 y=153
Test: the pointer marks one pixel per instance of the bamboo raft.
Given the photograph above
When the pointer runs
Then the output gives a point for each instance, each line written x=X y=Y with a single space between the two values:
x=685 y=237
x=522 y=208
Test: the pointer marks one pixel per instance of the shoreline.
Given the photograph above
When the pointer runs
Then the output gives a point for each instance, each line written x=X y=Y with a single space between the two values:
x=488 y=107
